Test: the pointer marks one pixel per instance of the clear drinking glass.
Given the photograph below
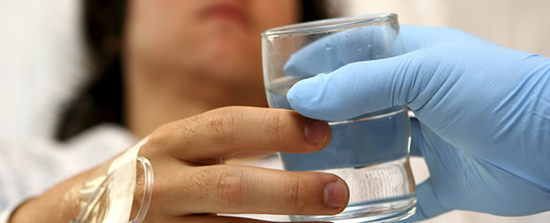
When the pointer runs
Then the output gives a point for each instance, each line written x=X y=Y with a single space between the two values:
x=370 y=152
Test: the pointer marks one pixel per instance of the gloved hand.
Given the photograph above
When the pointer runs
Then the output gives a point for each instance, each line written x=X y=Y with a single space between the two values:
x=483 y=117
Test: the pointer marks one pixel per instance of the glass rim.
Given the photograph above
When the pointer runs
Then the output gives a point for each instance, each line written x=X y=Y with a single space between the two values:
x=327 y=25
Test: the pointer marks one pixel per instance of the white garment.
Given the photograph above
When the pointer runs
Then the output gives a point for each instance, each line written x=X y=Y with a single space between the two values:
x=30 y=168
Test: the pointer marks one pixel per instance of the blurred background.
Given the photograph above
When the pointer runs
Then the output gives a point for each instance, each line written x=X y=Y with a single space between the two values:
x=42 y=58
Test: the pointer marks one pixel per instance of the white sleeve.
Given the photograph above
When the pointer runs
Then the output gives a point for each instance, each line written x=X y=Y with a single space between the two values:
x=5 y=215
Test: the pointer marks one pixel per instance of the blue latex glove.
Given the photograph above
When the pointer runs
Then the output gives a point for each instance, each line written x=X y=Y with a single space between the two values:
x=483 y=117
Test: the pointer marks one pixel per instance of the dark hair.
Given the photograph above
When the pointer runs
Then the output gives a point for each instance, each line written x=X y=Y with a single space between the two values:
x=101 y=98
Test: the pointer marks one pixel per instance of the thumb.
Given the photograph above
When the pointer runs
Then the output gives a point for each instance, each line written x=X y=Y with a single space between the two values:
x=363 y=87
x=428 y=204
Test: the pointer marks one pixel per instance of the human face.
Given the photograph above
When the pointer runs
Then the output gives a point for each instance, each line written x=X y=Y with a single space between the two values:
x=208 y=49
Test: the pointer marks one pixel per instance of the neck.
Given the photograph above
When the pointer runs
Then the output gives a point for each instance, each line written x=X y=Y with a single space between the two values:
x=149 y=105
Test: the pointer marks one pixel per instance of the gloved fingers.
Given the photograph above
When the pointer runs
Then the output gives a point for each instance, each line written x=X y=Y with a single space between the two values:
x=238 y=189
x=230 y=130
x=416 y=138
x=419 y=37
x=364 y=87
x=336 y=50
x=428 y=204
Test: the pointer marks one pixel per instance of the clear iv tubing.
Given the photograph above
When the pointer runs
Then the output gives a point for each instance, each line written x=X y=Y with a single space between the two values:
x=147 y=190
x=146 y=199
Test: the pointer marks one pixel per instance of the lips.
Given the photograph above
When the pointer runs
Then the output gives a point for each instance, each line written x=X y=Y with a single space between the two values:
x=227 y=12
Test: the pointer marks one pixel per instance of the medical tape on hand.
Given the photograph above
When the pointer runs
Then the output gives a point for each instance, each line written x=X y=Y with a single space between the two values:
x=123 y=184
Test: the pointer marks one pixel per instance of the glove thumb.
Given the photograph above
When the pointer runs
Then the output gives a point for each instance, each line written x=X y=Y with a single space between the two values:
x=360 y=88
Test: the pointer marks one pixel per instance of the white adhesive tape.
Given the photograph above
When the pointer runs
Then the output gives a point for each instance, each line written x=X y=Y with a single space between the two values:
x=121 y=194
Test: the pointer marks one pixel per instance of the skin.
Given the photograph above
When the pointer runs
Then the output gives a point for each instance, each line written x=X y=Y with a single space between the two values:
x=183 y=65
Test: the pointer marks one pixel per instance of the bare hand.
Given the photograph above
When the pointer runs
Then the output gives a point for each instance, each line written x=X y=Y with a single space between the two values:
x=187 y=157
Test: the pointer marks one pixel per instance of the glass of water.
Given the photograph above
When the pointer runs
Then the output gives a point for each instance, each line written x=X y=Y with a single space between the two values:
x=370 y=152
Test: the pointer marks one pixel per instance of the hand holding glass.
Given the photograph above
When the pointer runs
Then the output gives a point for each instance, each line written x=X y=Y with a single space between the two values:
x=370 y=152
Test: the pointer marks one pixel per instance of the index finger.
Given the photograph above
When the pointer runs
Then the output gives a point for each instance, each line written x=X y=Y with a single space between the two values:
x=229 y=130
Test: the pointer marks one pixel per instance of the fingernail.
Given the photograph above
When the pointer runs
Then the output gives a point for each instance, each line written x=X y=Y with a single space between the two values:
x=316 y=132
x=335 y=195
